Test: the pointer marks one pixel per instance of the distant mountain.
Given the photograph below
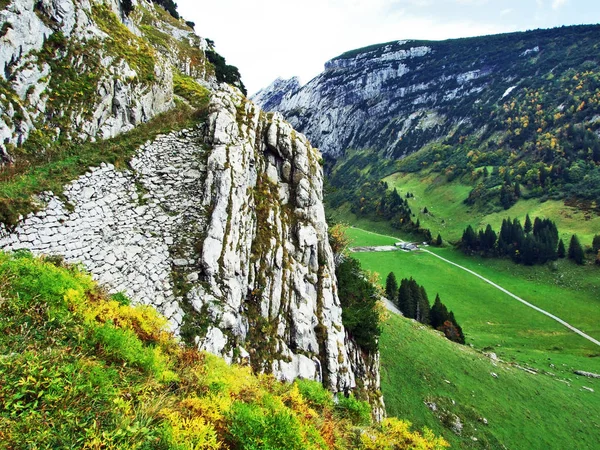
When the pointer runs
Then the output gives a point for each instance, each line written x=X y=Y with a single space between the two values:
x=529 y=102
x=273 y=95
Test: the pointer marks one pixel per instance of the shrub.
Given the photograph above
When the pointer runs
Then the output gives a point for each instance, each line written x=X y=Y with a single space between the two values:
x=314 y=392
x=358 y=412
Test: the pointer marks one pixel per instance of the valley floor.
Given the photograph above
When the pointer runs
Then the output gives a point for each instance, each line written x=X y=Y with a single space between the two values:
x=387 y=248
x=519 y=373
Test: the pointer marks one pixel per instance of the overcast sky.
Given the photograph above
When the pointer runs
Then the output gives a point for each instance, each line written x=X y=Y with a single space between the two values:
x=267 y=39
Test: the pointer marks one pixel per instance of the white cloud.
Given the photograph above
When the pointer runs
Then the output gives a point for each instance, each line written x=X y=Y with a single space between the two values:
x=558 y=3
x=506 y=11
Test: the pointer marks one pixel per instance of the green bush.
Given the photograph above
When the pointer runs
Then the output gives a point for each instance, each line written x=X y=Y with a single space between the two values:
x=265 y=428
x=315 y=394
x=356 y=411
x=358 y=297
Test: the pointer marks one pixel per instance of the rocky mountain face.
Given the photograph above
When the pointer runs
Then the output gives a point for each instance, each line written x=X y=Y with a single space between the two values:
x=396 y=98
x=74 y=70
x=220 y=226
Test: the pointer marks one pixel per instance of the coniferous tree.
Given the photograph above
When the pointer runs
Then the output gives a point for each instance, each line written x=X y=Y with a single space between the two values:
x=438 y=241
x=391 y=286
x=423 y=307
x=596 y=243
x=414 y=299
x=469 y=239
x=490 y=238
x=576 y=250
x=528 y=227
x=438 y=314
x=403 y=297
x=528 y=251
x=561 y=252
x=597 y=258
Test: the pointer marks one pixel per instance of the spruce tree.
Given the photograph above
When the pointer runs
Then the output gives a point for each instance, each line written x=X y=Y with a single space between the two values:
x=391 y=286
x=528 y=251
x=438 y=241
x=403 y=297
x=576 y=251
x=414 y=299
x=424 y=308
x=490 y=239
x=528 y=226
x=561 y=252
x=469 y=239
x=596 y=243
x=438 y=314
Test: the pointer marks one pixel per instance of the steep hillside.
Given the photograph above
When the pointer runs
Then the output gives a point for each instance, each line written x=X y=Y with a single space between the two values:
x=211 y=212
x=81 y=369
x=526 y=104
x=476 y=401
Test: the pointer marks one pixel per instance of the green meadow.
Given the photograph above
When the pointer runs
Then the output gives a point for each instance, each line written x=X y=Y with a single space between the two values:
x=522 y=410
x=494 y=321
x=549 y=409
x=449 y=216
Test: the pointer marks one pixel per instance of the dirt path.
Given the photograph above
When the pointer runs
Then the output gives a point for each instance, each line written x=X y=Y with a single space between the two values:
x=526 y=303
x=546 y=313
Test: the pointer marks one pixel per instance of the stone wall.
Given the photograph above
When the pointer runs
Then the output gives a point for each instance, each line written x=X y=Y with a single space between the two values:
x=222 y=228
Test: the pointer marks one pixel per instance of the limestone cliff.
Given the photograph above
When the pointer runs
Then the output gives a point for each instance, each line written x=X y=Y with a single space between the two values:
x=220 y=226
x=82 y=70
x=398 y=97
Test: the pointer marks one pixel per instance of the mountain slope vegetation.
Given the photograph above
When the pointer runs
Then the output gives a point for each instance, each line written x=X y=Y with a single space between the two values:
x=81 y=369
x=513 y=116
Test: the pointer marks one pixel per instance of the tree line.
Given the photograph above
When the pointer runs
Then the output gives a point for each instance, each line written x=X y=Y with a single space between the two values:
x=530 y=243
x=412 y=300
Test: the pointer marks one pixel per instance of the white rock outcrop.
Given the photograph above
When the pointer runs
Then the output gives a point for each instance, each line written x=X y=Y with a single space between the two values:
x=222 y=228
x=382 y=98
x=123 y=95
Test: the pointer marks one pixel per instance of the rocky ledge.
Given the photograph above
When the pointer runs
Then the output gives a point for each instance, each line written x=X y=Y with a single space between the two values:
x=222 y=228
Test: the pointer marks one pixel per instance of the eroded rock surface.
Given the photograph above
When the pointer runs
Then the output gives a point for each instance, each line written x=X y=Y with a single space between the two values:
x=222 y=228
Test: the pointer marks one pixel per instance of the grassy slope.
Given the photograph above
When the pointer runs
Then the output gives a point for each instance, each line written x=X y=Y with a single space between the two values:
x=489 y=317
x=523 y=411
x=450 y=216
x=82 y=370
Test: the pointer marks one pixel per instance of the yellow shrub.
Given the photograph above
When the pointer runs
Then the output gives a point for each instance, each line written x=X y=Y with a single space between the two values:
x=395 y=434
x=192 y=433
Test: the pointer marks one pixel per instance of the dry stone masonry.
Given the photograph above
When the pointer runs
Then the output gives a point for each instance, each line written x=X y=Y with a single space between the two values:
x=222 y=228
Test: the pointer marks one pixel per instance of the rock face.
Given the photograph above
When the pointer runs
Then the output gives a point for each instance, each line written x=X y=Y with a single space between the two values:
x=397 y=97
x=72 y=69
x=222 y=228
x=276 y=93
